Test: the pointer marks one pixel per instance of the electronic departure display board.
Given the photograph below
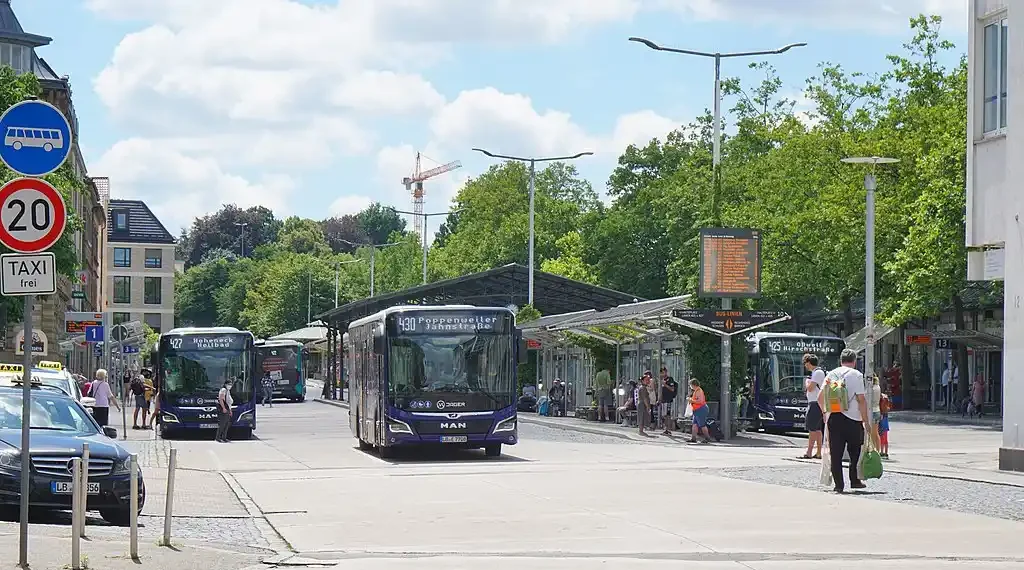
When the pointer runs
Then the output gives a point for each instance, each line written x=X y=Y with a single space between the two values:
x=730 y=263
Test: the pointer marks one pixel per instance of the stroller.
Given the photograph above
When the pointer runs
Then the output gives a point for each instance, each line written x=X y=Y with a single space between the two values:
x=715 y=429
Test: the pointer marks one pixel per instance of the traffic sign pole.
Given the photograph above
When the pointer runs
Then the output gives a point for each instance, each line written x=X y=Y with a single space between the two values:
x=35 y=140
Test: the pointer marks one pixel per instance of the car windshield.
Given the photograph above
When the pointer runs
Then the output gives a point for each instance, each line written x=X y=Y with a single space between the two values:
x=203 y=372
x=472 y=364
x=49 y=411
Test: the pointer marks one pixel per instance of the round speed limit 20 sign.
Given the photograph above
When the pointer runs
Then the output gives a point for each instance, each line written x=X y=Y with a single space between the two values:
x=32 y=215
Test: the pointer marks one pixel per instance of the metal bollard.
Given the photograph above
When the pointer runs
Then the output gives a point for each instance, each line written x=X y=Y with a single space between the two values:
x=85 y=488
x=169 y=504
x=77 y=515
x=133 y=516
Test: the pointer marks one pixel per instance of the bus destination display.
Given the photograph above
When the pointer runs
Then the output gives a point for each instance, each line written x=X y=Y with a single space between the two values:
x=730 y=263
x=207 y=342
x=820 y=346
x=436 y=322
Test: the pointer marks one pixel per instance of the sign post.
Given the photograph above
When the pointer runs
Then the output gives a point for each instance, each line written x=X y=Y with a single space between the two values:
x=36 y=141
x=730 y=268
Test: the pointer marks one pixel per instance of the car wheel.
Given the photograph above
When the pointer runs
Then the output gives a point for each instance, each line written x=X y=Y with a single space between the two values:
x=493 y=450
x=117 y=517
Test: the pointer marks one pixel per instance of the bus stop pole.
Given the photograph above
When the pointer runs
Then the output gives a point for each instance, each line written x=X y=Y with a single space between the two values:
x=725 y=397
x=26 y=414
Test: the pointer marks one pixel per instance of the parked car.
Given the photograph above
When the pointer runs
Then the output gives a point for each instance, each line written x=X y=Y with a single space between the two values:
x=60 y=426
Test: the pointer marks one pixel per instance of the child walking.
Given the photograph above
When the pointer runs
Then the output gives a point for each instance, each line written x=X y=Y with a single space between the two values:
x=883 y=425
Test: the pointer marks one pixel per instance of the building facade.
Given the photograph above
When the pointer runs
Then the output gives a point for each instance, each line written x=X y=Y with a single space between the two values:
x=18 y=51
x=994 y=208
x=138 y=266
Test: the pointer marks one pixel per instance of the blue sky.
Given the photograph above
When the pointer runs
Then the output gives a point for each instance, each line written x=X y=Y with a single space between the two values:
x=318 y=107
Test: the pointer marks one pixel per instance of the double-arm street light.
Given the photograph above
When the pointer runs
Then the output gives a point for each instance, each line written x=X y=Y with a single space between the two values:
x=533 y=175
x=425 y=216
x=716 y=159
x=373 y=250
x=869 y=262
x=716 y=153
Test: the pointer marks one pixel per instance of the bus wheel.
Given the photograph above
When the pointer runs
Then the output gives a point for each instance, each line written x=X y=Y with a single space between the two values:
x=493 y=450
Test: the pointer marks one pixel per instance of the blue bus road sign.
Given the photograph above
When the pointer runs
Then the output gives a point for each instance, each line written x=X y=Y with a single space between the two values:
x=130 y=350
x=94 y=334
x=36 y=138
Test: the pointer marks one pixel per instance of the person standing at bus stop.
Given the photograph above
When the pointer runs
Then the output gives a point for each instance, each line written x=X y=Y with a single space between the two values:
x=815 y=421
x=104 y=398
x=844 y=399
x=224 y=403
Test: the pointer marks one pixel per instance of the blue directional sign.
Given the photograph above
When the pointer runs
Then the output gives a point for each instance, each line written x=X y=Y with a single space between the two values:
x=130 y=350
x=94 y=334
x=36 y=138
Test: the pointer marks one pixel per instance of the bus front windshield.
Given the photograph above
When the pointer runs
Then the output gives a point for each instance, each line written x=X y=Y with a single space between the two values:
x=473 y=370
x=203 y=373
x=785 y=373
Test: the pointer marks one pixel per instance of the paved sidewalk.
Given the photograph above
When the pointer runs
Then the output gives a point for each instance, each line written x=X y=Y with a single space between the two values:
x=50 y=549
x=943 y=418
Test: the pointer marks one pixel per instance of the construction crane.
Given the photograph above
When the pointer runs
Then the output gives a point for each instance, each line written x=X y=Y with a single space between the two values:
x=414 y=185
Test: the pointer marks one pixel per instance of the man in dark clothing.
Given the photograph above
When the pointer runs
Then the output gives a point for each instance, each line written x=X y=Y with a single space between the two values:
x=669 y=388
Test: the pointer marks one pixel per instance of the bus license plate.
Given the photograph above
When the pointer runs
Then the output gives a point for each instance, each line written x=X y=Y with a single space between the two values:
x=283 y=382
x=454 y=438
x=66 y=488
x=208 y=426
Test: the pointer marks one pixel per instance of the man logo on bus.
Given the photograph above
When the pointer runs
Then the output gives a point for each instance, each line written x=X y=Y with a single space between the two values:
x=453 y=425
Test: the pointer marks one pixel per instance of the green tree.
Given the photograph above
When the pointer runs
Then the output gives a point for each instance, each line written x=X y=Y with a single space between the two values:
x=224 y=230
x=379 y=222
x=570 y=261
x=300 y=235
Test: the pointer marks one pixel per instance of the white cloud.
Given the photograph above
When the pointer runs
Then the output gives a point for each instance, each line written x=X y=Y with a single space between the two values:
x=386 y=92
x=178 y=187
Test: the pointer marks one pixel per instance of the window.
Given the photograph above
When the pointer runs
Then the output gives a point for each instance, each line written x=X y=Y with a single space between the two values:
x=120 y=220
x=122 y=289
x=154 y=258
x=153 y=320
x=153 y=290
x=122 y=318
x=16 y=57
x=994 y=91
x=122 y=257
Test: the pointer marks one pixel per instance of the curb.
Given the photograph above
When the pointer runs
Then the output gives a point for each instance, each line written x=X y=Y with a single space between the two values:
x=581 y=429
x=952 y=420
x=335 y=403
x=916 y=473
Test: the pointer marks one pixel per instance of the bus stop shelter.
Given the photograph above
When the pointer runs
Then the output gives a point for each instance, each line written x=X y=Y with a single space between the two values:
x=639 y=332
x=503 y=286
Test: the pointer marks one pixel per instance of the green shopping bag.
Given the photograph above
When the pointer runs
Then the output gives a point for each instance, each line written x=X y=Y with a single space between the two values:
x=870 y=462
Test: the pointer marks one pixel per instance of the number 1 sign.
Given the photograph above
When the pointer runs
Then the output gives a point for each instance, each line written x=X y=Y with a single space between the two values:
x=32 y=215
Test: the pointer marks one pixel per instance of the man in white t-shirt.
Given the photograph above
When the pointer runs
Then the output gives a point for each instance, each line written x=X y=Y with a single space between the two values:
x=815 y=421
x=846 y=429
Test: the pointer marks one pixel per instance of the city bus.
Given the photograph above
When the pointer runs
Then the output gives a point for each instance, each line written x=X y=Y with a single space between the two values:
x=192 y=365
x=284 y=362
x=777 y=400
x=434 y=375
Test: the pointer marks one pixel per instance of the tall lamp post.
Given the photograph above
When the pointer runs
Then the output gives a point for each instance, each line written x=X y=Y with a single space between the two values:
x=533 y=175
x=309 y=287
x=869 y=245
x=242 y=225
x=716 y=159
x=373 y=251
x=425 y=216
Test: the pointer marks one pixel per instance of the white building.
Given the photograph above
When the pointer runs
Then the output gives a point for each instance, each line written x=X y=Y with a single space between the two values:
x=995 y=230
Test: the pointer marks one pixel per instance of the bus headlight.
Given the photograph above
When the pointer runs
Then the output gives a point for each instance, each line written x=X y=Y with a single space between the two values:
x=766 y=416
x=169 y=418
x=506 y=425
x=398 y=426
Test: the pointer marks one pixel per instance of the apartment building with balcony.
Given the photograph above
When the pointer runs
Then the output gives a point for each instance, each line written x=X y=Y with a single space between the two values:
x=18 y=51
x=138 y=266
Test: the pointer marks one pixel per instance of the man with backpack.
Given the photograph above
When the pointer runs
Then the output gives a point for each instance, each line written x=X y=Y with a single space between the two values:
x=843 y=398
x=138 y=389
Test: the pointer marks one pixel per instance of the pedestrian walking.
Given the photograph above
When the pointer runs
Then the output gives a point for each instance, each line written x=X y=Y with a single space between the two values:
x=669 y=387
x=643 y=404
x=815 y=421
x=843 y=398
x=224 y=403
x=875 y=388
x=883 y=426
x=104 y=397
x=138 y=389
x=268 y=390
x=699 y=404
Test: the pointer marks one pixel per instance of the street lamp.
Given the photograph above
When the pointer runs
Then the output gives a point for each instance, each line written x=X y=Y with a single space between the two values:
x=716 y=159
x=309 y=288
x=869 y=239
x=242 y=225
x=373 y=250
x=533 y=175
x=425 y=216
